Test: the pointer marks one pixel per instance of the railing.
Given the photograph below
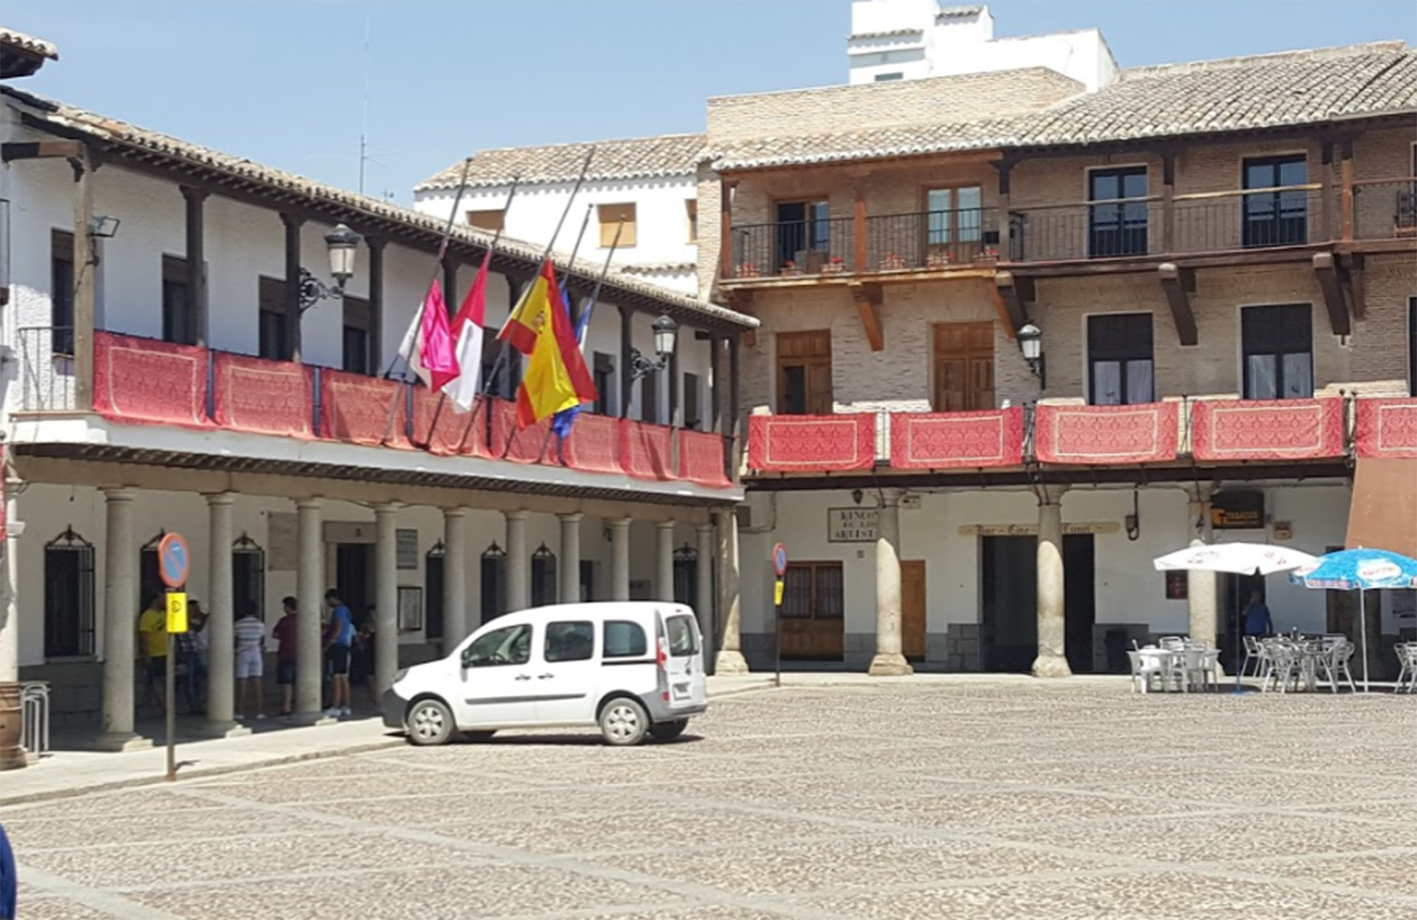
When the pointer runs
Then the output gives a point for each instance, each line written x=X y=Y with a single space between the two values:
x=46 y=369
x=1385 y=209
x=790 y=248
x=932 y=240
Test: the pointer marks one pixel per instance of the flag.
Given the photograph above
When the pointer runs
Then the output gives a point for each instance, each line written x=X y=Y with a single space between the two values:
x=561 y=424
x=519 y=330
x=467 y=338
x=428 y=345
x=556 y=377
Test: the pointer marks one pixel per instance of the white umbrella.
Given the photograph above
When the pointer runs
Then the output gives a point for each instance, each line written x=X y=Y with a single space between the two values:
x=1237 y=559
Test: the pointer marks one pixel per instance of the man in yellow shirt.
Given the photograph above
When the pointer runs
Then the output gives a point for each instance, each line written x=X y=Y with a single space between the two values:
x=152 y=646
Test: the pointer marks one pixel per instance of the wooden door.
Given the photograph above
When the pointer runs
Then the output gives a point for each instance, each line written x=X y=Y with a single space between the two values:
x=812 y=624
x=804 y=373
x=912 y=608
x=964 y=366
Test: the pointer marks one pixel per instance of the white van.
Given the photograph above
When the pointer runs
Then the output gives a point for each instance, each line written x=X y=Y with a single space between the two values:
x=633 y=668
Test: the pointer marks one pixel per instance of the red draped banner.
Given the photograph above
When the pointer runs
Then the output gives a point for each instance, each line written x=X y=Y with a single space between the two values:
x=1105 y=434
x=645 y=450
x=594 y=444
x=1387 y=428
x=264 y=397
x=533 y=445
x=1267 y=429
x=811 y=443
x=149 y=382
x=440 y=430
x=701 y=459
x=947 y=440
x=362 y=410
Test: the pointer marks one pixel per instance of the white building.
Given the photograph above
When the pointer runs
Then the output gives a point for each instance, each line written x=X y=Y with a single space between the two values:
x=178 y=358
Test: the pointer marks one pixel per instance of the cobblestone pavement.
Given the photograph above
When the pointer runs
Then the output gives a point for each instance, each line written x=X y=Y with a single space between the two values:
x=1045 y=801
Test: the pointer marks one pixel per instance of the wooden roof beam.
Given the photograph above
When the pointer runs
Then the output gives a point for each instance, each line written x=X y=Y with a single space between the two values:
x=1328 y=271
x=1179 y=284
x=868 y=298
x=1014 y=294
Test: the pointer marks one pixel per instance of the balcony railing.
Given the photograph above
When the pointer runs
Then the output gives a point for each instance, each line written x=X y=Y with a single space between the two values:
x=1385 y=209
x=933 y=240
x=791 y=248
x=148 y=382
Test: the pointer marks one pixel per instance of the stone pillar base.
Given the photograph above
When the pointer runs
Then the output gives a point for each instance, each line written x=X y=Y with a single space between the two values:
x=730 y=661
x=1051 y=666
x=121 y=742
x=224 y=730
x=890 y=666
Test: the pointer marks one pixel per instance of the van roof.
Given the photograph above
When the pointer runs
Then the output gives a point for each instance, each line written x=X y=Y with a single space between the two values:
x=596 y=610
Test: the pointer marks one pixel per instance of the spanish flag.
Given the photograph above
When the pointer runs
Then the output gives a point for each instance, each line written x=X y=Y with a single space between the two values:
x=556 y=377
x=519 y=331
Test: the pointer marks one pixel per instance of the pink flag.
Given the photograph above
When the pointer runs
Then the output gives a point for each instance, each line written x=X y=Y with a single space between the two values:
x=467 y=336
x=428 y=344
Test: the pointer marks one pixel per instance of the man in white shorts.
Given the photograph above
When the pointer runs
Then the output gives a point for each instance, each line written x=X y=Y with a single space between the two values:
x=250 y=651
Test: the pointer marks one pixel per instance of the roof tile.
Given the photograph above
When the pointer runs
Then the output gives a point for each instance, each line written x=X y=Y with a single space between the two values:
x=637 y=157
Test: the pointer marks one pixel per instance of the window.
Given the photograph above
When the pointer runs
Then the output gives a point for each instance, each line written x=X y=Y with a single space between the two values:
x=804 y=373
x=691 y=208
x=357 y=323
x=1116 y=228
x=953 y=222
x=509 y=645
x=570 y=641
x=803 y=227
x=1119 y=357
x=1412 y=346
x=1276 y=218
x=544 y=589
x=433 y=584
x=502 y=384
x=616 y=218
x=61 y=290
x=693 y=402
x=649 y=399
x=248 y=576
x=686 y=575
x=492 y=220
x=68 y=596
x=683 y=637
x=813 y=591
x=624 y=639
x=889 y=77
x=603 y=369
x=1277 y=344
x=494 y=583
x=964 y=367
x=178 y=322
x=273 y=341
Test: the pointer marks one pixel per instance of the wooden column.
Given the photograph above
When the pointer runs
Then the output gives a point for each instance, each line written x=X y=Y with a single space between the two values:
x=858 y=231
x=1345 y=171
x=292 y=283
x=83 y=281
x=725 y=245
x=376 y=303
x=1005 y=224
x=1326 y=209
x=627 y=379
x=1168 y=201
x=450 y=285
x=196 y=263
x=715 y=384
x=730 y=443
x=673 y=371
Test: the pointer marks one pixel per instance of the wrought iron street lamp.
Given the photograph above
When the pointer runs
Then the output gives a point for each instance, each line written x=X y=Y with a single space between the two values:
x=1030 y=342
x=665 y=331
x=342 y=244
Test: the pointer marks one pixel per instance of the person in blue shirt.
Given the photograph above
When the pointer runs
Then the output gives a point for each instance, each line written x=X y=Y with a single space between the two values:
x=1257 y=618
x=338 y=639
x=9 y=884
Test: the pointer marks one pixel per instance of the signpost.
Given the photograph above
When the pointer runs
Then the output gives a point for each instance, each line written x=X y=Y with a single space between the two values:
x=174 y=563
x=779 y=568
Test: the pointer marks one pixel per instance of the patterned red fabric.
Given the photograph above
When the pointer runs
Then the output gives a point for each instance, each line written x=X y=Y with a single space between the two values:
x=645 y=450
x=701 y=459
x=946 y=440
x=455 y=434
x=1387 y=428
x=533 y=445
x=1267 y=429
x=811 y=443
x=3 y=519
x=594 y=444
x=1105 y=434
x=145 y=381
x=264 y=397
x=362 y=410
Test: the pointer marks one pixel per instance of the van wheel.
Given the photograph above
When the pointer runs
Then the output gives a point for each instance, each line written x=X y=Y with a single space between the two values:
x=478 y=737
x=623 y=722
x=668 y=731
x=429 y=722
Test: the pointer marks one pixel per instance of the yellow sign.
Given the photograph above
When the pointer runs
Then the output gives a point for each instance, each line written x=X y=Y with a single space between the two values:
x=177 y=612
x=777 y=592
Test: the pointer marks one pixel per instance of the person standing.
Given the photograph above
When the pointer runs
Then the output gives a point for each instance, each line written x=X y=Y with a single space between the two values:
x=152 y=646
x=286 y=632
x=361 y=667
x=338 y=640
x=1258 y=622
x=9 y=881
x=190 y=663
x=250 y=635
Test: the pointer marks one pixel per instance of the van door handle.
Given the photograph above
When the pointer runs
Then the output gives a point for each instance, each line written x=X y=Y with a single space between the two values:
x=545 y=676
x=523 y=677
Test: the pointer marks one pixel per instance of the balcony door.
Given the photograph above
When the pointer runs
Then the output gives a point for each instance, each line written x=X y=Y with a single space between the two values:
x=1412 y=346
x=1276 y=218
x=964 y=367
x=1116 y=226
x=813 y=620
x=803 y=227
x=1278 y=347
x=954 y=226
x=804 y=373
x=1119 y=357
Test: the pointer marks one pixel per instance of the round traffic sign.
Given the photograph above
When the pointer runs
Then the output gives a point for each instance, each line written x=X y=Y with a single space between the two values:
x=173 y=560
x=779 y=560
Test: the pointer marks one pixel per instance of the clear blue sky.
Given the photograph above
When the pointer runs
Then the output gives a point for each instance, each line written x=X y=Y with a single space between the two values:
x=283 y=82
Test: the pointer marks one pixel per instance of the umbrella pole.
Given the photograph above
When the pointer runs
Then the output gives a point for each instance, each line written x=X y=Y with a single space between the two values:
x=1363 y=632
x=1239 y=644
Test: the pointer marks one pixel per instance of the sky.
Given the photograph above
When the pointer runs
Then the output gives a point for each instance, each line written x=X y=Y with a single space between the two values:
x=288 y=82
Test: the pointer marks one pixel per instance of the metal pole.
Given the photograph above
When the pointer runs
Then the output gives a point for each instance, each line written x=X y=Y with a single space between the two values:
x=777 y=644
x=1363 y=625
x=170 y=679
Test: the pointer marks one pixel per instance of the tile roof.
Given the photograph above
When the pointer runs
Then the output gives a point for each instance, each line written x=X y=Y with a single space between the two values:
x=629 y=158
x=889 y=33
x=187 y=156
x=29 y=43
x=1237 y=94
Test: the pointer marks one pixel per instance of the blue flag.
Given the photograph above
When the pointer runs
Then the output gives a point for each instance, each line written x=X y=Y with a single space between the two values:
x=561 y=421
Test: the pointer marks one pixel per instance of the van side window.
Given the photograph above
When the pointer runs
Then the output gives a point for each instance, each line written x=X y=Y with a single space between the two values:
x=624 y=639
x=683 y=641
x=509 y=645
x=574 y=641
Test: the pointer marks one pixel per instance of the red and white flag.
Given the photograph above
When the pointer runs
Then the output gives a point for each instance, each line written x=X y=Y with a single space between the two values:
x=428 y=344
x=467 y=339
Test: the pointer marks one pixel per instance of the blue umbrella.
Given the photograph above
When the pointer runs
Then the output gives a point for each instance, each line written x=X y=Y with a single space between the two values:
x=1359 y=570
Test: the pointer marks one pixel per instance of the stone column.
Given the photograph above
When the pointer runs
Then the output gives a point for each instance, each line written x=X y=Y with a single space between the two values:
x=386 y=595
x=221 y=663
x=570 y=561
x=703 y=600
x=620 y=559
x=889 y=661
x=518 y=575
x=1052 y=658
x=119 y=624
x=730 y=648
x=1200 y=586
x=664 y=561
x=455 y=598
x=310 y=595
x=10 y=609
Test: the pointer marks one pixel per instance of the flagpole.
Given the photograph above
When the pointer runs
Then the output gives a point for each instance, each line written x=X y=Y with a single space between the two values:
x=590 y=307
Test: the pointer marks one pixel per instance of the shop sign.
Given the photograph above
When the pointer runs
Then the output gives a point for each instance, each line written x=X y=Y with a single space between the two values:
x=852 y=525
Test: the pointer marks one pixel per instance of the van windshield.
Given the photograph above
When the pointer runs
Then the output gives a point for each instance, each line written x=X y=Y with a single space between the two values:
x=683 y=638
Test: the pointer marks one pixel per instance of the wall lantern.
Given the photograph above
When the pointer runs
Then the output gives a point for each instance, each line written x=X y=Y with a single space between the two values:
x=103 y=227
x=1030 y=342
x=342 y=244
x=665 y=331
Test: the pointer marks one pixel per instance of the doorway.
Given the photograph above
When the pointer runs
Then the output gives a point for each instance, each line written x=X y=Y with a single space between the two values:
x=1235 y=591
x=1009 y=602
x=912 y=609
x=354 y=563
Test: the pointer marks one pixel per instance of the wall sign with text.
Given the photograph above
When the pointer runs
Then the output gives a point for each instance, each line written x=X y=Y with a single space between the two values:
x=852 y=525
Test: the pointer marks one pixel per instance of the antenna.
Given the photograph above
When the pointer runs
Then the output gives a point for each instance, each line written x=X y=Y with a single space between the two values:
x=364 y=124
